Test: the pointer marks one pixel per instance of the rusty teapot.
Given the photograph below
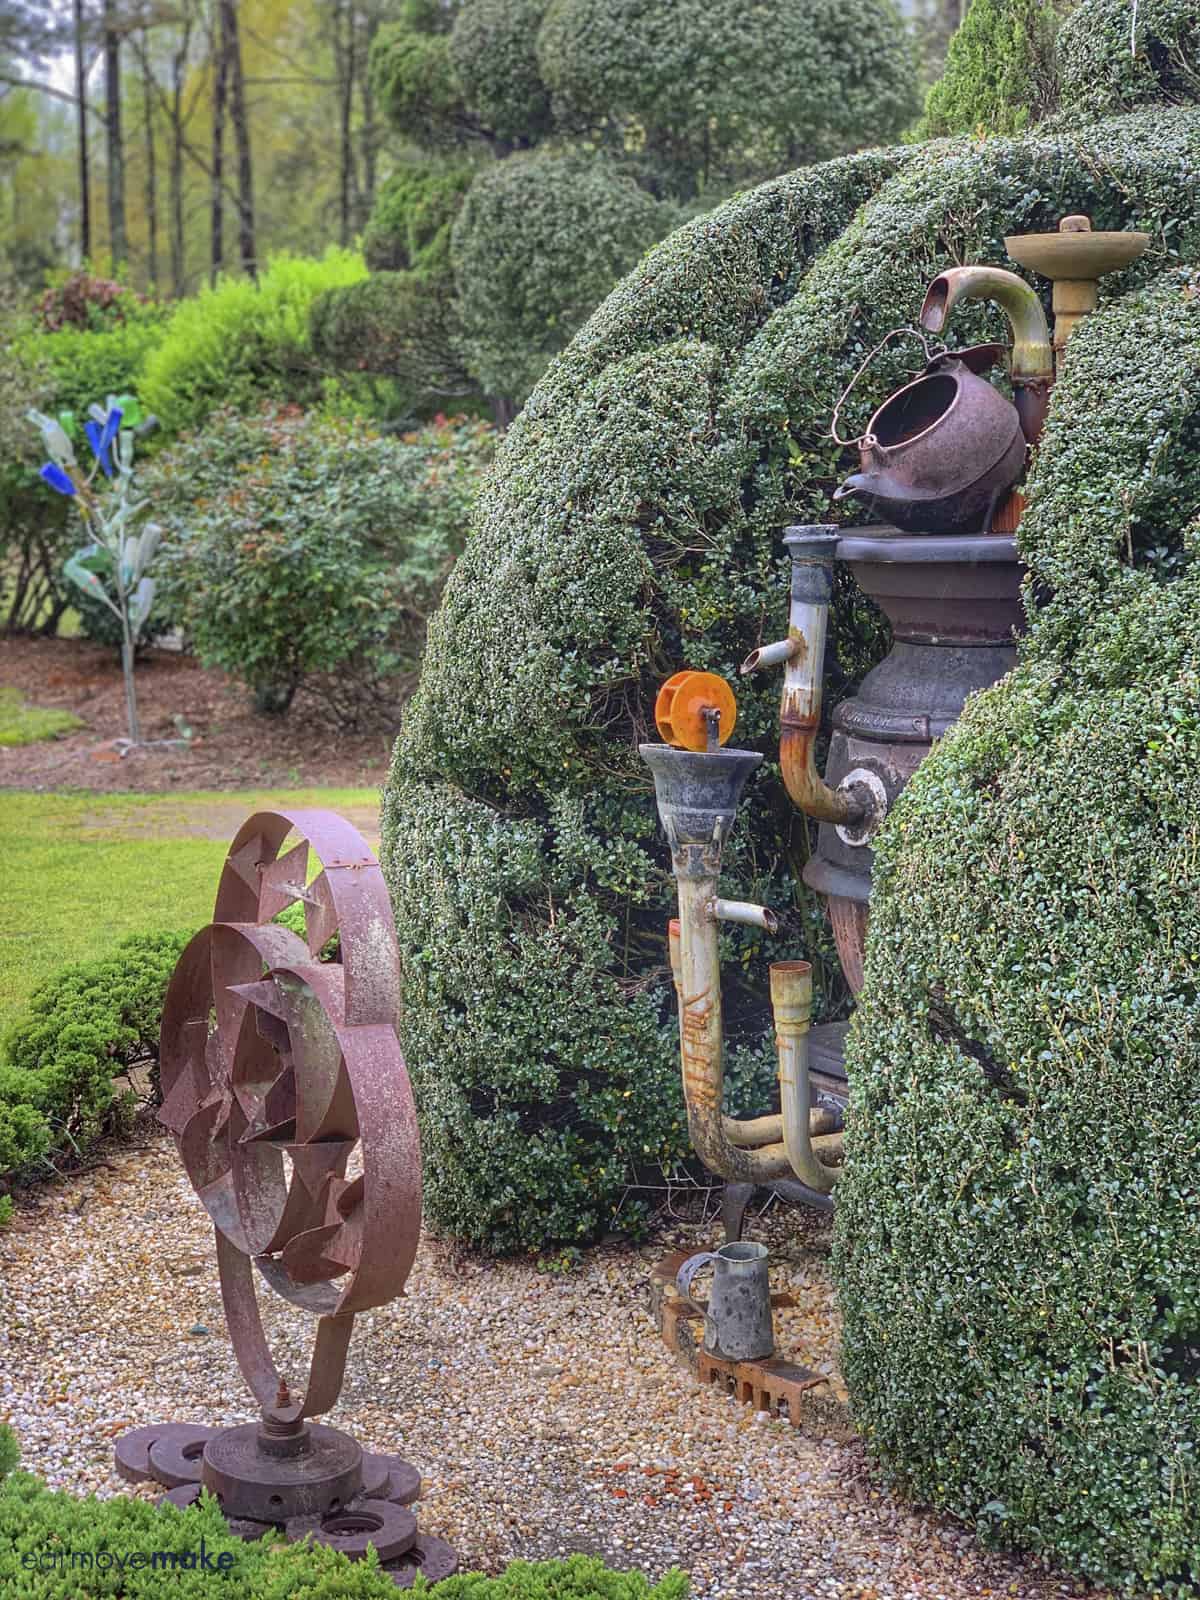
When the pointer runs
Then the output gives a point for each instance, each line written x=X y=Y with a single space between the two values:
x=940 y=453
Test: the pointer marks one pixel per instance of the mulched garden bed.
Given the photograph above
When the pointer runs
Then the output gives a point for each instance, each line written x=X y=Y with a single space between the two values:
x=231 y=747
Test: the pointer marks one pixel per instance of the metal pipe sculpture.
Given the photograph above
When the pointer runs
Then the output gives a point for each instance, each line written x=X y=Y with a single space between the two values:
x=286 y=1091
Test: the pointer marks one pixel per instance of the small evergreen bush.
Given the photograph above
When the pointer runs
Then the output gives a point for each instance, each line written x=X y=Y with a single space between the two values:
x=91 y=1021
x=114 y=1540
x=300 y=550
x=1001 y=69
x=242 y=342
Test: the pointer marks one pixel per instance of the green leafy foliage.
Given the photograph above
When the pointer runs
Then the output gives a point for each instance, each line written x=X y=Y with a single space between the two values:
x=591 y=128
x=85 y=363
x=111 y=1536
x=723 y=92
x=494 y=49
x=630 y=527
x=402 y=326
x=21 y=723
x=584 y=222
x=1017 y=1236
x=242 y=342
x=92 y=1020
x=409 y=230
x=300 y=550
x=1001 y=69
x=1113 y=59
x=10 y=1450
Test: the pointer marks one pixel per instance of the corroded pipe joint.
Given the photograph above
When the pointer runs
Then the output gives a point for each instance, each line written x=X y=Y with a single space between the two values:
x=812 y=548
x=769 y=655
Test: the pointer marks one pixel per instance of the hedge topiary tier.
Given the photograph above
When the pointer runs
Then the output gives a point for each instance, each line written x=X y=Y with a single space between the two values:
x=631 y=527
x=1017 y=1235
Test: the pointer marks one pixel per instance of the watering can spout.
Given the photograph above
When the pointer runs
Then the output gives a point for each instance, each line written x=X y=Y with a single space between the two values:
x=856 y=483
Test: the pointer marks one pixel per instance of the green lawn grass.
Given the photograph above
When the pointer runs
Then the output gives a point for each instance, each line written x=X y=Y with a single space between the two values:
x=22 y=724
x=81 y=870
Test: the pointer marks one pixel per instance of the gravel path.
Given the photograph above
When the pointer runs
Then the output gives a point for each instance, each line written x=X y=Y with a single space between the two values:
x=542 y=1408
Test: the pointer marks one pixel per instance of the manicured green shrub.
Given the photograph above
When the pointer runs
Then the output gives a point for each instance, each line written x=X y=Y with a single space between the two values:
x=243 y=342
x=1001 y=69
x=399 y=325
x=1102 y=74
x=592 y=127
x=10 y=1449
x=88 y=1023
x=722 y=89
x=583 y=223
x=409 y=230
x=494 y=49
x=300 y=550
x=1017 y=1240
x=632 y=526
x=40 y=1531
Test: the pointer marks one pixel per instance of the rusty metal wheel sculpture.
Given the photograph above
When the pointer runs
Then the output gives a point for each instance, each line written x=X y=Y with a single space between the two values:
x=285 y=1088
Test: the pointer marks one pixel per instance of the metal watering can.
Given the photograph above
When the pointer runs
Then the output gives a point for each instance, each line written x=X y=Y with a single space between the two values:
x=737 y=1319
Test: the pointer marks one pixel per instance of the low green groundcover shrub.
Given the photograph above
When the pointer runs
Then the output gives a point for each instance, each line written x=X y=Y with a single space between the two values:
x=632 y=526
x=88 y=1024
x=41 y=1531
x=309 y=551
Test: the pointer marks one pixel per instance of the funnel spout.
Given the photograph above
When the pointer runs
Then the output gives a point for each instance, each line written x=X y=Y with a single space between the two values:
x=1032 y=353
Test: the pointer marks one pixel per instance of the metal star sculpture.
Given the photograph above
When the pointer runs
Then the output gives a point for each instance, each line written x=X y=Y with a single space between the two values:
x=285 y=1088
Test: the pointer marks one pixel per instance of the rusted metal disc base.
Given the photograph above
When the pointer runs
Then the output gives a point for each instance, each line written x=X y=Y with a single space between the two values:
x=264 y=1486
x=330 y=1489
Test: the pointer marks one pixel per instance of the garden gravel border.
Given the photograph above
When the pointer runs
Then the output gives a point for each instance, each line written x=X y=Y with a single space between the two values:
x=542 y=1407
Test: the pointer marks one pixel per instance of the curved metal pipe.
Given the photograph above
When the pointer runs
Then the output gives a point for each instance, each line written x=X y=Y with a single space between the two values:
x=1032 y=361
x=812 y=551
x=791 y=1003
x=694 y=938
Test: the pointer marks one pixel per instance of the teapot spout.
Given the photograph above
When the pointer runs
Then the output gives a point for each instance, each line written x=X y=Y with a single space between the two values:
x=856 y=483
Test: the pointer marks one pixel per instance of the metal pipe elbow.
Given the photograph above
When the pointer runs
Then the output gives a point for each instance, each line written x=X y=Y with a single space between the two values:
x=1032 y=352
x=791 y=1003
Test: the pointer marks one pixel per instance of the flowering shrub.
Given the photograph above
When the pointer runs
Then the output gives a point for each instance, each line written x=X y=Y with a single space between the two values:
x=309 y=551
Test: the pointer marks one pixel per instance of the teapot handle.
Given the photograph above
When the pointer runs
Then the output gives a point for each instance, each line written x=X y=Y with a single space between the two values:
x=863 y=440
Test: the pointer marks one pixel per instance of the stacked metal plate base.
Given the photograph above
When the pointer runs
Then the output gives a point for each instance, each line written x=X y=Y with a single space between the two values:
x=313 y=1482
x=285 y=1088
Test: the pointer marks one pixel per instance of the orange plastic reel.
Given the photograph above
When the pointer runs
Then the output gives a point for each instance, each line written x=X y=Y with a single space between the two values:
x=682 y=702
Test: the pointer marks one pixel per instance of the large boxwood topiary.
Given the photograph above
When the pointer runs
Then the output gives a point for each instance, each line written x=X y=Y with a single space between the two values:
x=1018 y=1239
x=632 y=526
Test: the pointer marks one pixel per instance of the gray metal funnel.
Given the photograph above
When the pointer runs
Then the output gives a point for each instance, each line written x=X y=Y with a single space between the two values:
x=698 y=791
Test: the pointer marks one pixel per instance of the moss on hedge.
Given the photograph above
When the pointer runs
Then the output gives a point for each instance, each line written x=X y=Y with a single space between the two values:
x=1017 y=1238
x=631 y=526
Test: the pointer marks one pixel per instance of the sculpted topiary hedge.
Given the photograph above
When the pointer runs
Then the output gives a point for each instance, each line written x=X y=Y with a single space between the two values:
x=1019 y=1227
x=632 y=526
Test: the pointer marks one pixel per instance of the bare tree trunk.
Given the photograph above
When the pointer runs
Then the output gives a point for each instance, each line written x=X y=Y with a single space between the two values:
x=114 y=143
x=241 y=136
x=344 y=65
x=151 y=167
x=219 y=56
x=178 y=74
x=370 y=133
x=85 y=183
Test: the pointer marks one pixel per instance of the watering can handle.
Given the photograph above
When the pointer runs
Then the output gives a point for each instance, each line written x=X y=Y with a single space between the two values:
x=689 y=1269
